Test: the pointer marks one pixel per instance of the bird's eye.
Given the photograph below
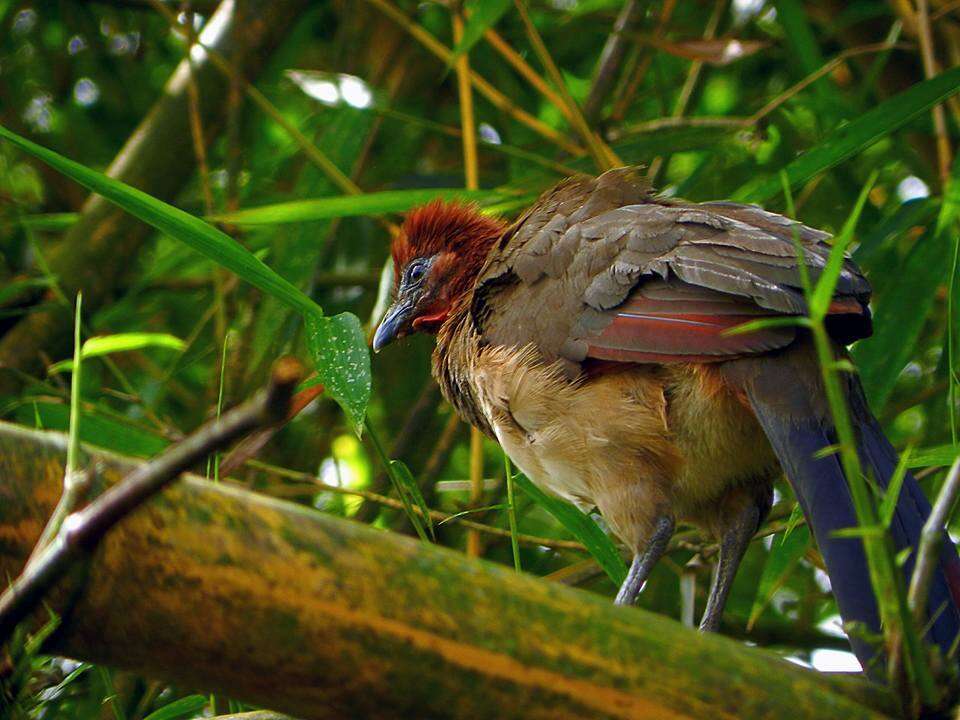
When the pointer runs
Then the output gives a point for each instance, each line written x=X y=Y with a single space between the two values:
x=416 y=272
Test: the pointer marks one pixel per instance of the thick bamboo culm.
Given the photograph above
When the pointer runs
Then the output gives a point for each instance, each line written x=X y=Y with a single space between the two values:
x=220 y=589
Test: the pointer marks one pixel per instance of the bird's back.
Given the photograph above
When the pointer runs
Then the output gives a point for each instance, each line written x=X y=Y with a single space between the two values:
x=602 y=269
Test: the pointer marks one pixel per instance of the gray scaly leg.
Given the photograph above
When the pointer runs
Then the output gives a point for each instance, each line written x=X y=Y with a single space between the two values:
x=644 y=561
x=733 y=545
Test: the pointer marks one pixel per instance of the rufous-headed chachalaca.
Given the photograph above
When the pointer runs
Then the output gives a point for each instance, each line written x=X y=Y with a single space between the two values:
x=588 y=338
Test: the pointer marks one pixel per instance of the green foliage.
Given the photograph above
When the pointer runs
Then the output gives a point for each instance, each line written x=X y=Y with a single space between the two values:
x=581 y=526
x=858 y=135
x=856 y=146
x=378 y=203
x=121 y=342
x=339 y=350
x=483 y=14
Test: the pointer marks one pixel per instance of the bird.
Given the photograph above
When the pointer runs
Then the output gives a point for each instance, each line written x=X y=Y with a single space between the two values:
x=592 y=339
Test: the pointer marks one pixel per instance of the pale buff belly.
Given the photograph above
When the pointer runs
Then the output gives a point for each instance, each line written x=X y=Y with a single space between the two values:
x=617 y=443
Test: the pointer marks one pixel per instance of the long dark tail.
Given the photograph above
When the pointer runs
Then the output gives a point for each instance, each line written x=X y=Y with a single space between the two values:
x=789 y=405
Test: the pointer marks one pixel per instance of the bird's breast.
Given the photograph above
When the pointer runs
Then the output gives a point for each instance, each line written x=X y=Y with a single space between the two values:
x=579 y=439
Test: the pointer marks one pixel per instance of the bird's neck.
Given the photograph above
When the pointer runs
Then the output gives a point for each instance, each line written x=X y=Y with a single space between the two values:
x=458 y=343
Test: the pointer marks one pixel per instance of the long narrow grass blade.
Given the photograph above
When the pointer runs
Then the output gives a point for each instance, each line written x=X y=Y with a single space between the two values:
x=183 y=707
x=940 y=456
x=95 y=429
x=823 y=292
x=888 y=506
x=860 y=133
x=120 y=342
x=785 y=554
x=176 y=223
x=399 y=485
x=376 y=203
x=581 y=526
x=482 y=14
x=73 y=442
x=511 y=512
x=409 y=485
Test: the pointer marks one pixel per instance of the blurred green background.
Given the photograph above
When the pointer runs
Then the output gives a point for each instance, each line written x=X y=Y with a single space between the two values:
x=715 y=97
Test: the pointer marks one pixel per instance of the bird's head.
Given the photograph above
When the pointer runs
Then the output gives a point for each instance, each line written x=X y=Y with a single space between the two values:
x=436 y=257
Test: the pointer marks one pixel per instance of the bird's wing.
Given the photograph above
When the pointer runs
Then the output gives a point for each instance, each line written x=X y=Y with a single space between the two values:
x=602 y=269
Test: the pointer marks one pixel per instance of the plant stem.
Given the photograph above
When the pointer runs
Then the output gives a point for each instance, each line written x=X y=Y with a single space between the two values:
x=512 y=513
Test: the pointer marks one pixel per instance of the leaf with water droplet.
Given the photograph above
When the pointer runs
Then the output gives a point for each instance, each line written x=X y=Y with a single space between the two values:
x=340 y=355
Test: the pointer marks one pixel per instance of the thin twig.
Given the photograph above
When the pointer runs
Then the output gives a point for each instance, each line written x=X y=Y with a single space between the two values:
x=82 y=531
x=928 y=552
x=629 y=88
x=313 y=153
x=610 y=58
x=602 y=155
x=468 y=125
x=945 y=10
x=203 y=170
x=471 y=173
x=441 y=448
x=318 y=485
x=690 y=84
x=925 y=36
x=523 y=68
x=517 y=61
x=827 y=68
x=674 y=121
x=497 y=98
x=474 y=547
x=671 y=122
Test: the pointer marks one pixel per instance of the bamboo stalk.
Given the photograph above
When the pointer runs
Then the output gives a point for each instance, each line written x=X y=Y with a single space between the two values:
x=471 y=173
x=602 y=155
x=497 y=98
x=944 y=151
x=213 y=587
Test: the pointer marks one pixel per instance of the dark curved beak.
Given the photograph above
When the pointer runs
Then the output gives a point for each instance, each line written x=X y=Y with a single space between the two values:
x=394 y=324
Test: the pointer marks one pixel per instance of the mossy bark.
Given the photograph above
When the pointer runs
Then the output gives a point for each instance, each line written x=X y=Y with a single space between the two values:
x=216 y=588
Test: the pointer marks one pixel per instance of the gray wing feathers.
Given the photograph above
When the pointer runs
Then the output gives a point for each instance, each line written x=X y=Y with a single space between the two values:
x=588 y=244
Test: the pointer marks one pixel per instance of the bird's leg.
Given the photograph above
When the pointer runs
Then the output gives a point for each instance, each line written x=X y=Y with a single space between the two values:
x=734 y=540
x=644 y=561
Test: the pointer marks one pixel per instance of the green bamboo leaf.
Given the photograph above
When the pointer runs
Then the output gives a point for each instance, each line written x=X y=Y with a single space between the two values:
x=120 y=342
x=899 y=316
x=823 y=292
x=176 y=223
x=483 y=14
x=864 y=531
x=804 y=51
x=377 y=203
x=785 y=554
x=16 y=287
x=581 y=526
x=339 y=351
x=860 y=133
x=888 y=506
x=938 y=456
x=763 y=323
x=412 y=488
x=401 y=485
x=181 y=708
x=875 y=242
x=330 y=341
x=107 y=432
x=44 y=222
